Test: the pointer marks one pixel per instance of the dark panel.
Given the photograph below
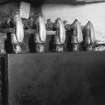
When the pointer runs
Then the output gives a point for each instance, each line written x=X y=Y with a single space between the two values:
x=57 y=79
x=3 y=81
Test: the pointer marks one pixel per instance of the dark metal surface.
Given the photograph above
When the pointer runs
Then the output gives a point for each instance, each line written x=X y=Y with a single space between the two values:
x=57 y=79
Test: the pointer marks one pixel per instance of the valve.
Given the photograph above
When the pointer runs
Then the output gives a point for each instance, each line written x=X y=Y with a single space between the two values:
x=77 y=36
x=89 y=36
x=40 y=37
x=60 y=35
x=17 y=36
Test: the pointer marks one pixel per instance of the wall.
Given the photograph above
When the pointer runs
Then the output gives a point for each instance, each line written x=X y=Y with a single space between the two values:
x=93 y=12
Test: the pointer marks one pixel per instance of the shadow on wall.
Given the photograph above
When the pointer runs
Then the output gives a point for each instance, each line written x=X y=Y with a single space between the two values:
x=34 y=3
x=73 y=2
x=37 y=3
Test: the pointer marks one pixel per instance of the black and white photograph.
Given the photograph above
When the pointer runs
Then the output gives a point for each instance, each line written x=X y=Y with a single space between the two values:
x=52 y=52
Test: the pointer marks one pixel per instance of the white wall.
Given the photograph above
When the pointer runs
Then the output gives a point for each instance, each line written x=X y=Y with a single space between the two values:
x=93 y=12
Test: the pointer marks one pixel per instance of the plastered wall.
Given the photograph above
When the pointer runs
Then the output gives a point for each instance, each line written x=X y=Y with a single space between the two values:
x=93 y=12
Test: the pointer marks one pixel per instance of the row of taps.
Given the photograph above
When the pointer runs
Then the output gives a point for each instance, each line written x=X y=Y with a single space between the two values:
x=73 y=35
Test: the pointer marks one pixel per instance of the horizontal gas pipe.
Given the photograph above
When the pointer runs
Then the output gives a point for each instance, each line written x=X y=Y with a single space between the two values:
x=27 y=31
